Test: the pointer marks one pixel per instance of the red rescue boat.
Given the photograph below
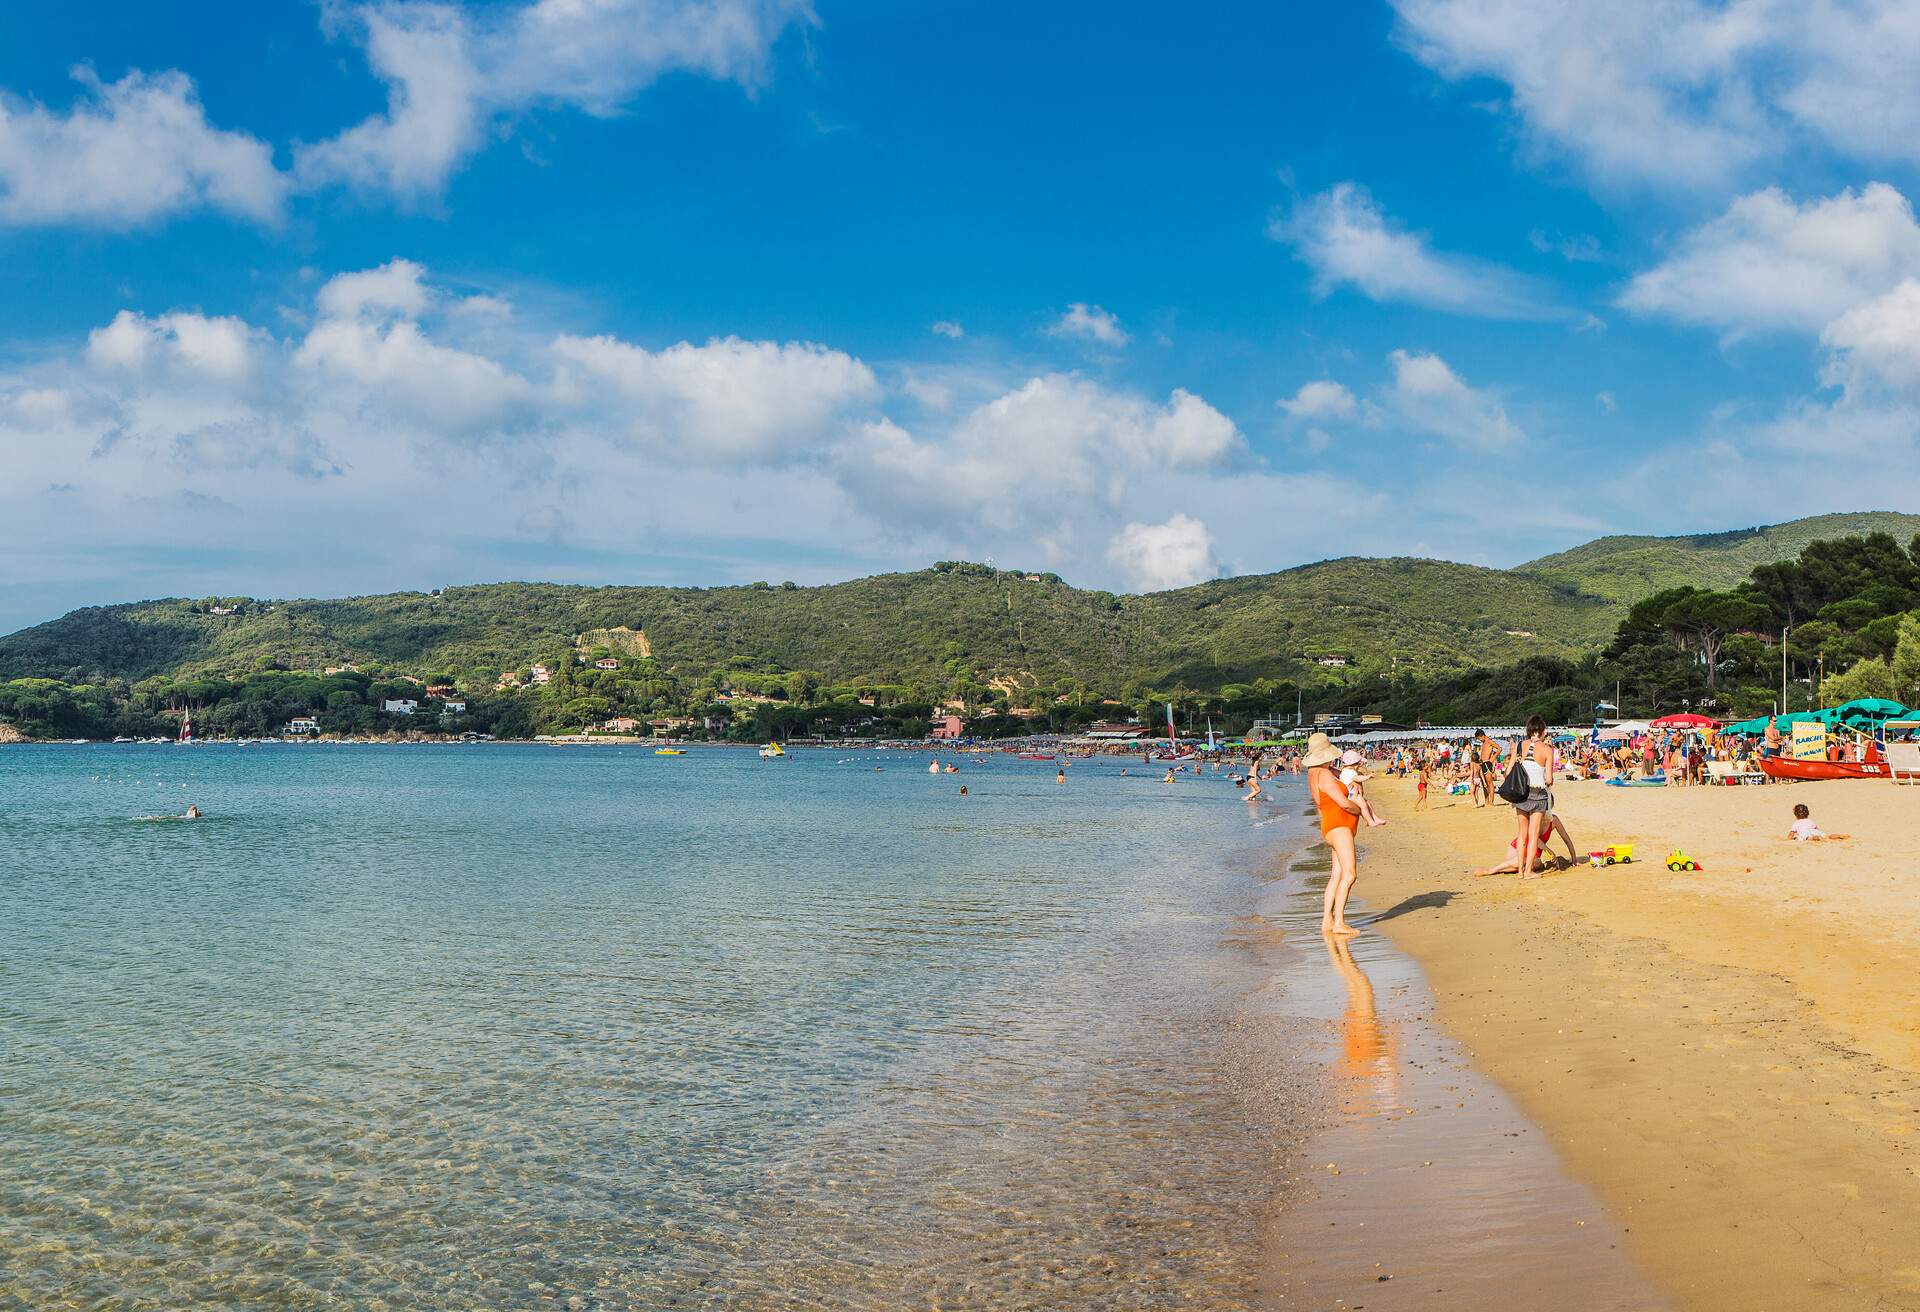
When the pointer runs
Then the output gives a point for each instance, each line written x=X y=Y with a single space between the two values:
x=1874 y=766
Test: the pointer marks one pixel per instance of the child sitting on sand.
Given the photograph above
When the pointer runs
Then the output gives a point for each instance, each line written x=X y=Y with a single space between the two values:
x=1804 y=830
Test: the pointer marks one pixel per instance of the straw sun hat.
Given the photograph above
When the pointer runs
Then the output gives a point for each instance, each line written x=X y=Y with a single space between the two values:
x=1320 y=751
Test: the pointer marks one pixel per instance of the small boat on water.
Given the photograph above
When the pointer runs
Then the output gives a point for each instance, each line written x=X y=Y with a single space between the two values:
x=669 y=751
x=771 y=751
x=1174 y=751
x=1036 y=756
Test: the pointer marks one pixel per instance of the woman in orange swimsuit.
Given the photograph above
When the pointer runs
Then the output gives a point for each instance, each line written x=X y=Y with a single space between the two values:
x=1339 y=817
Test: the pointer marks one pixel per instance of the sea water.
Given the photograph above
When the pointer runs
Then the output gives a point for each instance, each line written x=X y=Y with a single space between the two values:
x=508 y=1026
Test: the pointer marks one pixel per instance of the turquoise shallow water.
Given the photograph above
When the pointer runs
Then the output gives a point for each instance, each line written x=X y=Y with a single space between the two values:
x=503 y=1026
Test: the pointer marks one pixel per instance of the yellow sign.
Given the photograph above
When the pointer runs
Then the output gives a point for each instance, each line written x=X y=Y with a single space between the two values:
x=1809 y=741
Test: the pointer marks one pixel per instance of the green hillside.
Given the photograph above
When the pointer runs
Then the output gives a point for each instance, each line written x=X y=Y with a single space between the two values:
x=919 y=628
x=1335 y=620
x=1625 y=569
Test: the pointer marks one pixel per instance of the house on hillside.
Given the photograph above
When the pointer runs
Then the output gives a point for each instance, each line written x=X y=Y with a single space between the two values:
x=948 y=727
x=540 y=676
x=670 y=724
x=606 y=663
x=1331 y=662
x=620 y=724
x=399 y=706
x=439 y=690
x=453 y=707
x=302 y=726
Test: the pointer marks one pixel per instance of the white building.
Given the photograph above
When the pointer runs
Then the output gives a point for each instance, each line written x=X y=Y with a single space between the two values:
x=399 y=706
x=453 y=708
x=303 y=725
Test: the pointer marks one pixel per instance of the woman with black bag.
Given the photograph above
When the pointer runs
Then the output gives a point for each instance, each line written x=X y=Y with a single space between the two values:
x=1527 y=787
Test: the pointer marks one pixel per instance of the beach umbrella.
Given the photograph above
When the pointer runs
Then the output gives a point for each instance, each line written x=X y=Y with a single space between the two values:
x=1868 y=712
x=1685 y=720
x=1758 y=724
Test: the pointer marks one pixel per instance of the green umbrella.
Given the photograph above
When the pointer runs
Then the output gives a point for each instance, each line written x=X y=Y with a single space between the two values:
x=1869 y=712
x=1826 y=717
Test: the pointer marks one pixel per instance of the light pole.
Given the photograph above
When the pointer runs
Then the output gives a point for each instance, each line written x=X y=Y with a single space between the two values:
x=1784 y=631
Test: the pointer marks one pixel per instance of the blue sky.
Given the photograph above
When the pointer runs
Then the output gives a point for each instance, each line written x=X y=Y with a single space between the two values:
x=319 y=299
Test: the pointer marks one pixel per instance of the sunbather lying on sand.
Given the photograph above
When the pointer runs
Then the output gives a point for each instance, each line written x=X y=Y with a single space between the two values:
x=1511 y=866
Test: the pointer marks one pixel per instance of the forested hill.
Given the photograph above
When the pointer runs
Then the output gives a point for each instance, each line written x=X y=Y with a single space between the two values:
x=923 y=628
x=1337 y=619
x=1626 y=569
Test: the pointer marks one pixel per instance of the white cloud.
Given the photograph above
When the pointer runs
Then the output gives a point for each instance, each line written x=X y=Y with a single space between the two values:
x=141 y=149
x=1688 y=94
x=599 y=459
x=1769 y=264
x=727 y=400
x=1321 y=400
x=396 y=287
x=1606 y=402
x=1581 y=249
x=948 y=328
x=128 y=153
x=1057 y=449
x=399 y=367
x=1090 y=323
x=452 y=73
x=1429 y=396
x=1155 y=557
x=434 y=117
x=1876 y=343
x=218 y=348
x=1345 y=238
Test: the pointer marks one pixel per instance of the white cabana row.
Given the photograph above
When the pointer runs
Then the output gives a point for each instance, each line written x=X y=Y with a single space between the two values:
x=1443 y=733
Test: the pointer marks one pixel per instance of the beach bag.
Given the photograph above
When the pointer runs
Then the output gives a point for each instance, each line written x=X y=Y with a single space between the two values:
x=1514 y=787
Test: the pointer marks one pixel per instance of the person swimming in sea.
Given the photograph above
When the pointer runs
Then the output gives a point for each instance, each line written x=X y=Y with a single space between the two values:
x=1061 y=777
x=1169 y=778
x=191 y=813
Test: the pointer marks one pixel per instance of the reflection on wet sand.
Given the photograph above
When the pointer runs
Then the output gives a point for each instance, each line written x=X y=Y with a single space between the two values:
x=1368 y=1068
x=1428 y=1189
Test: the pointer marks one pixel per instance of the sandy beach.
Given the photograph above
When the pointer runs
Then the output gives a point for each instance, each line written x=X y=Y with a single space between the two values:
x=1729 y=1058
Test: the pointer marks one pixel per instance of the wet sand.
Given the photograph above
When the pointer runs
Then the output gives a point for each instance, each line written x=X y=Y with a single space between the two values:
x=1730 y=1059
x=1423 y=1186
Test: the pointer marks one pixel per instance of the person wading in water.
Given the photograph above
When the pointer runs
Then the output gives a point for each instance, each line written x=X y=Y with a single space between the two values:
x=1339 y=818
